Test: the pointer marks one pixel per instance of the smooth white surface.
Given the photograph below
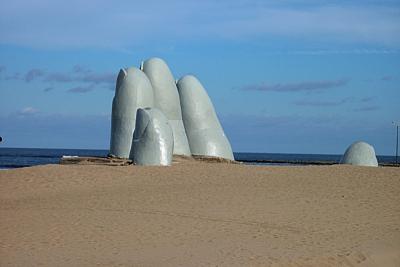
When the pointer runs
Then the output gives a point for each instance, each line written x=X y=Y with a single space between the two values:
x=360 y=154
x=166 y=99
x=203 y=129
x=153 y=140
x=133 y=91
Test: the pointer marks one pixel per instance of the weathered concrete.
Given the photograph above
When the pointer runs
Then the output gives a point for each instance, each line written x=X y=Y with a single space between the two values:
x=203 y=129
x=360 y=154
x=153 y=140
x=133 y=91
x=166 y=99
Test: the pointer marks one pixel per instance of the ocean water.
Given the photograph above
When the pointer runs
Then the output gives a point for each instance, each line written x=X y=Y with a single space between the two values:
x=25 y=157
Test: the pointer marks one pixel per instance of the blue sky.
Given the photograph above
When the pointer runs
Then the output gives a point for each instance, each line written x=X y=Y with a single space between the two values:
x=285 y=76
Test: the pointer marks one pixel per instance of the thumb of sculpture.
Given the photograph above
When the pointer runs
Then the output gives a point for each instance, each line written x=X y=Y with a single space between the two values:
x=153 y=140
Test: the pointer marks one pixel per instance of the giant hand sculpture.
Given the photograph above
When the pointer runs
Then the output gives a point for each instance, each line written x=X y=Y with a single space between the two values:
x=163 y=118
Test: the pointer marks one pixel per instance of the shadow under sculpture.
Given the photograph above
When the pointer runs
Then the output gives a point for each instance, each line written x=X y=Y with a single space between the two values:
x=133 y=90
x=153 y=140
x=166 y=99
x=203 y=129
x=360 y=154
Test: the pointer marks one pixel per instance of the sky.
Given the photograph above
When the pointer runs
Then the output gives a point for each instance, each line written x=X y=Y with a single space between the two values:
x=289 y=76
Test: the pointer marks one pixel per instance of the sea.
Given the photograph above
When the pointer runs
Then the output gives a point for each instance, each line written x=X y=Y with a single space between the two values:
x=25 y=157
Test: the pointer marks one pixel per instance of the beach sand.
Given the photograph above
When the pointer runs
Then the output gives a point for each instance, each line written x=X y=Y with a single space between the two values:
x=200 y=214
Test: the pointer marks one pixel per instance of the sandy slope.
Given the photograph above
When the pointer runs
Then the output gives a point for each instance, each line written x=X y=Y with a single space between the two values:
x=200 y=214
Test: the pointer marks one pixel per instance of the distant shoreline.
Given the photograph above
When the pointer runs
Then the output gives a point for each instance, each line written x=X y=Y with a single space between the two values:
x=25 y=157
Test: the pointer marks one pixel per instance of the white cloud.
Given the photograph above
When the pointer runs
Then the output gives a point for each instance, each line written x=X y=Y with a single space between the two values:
x=28 y=111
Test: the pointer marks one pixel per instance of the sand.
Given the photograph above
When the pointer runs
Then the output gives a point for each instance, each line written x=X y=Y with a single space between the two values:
x=200 y=214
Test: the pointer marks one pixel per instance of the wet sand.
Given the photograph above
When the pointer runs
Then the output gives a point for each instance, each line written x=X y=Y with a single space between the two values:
x=200 y=214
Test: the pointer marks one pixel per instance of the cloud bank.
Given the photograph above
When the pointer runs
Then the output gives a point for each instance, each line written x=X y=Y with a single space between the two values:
x=101 y=23
x=334 y=103
x=296 y=87
x=88 y=78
